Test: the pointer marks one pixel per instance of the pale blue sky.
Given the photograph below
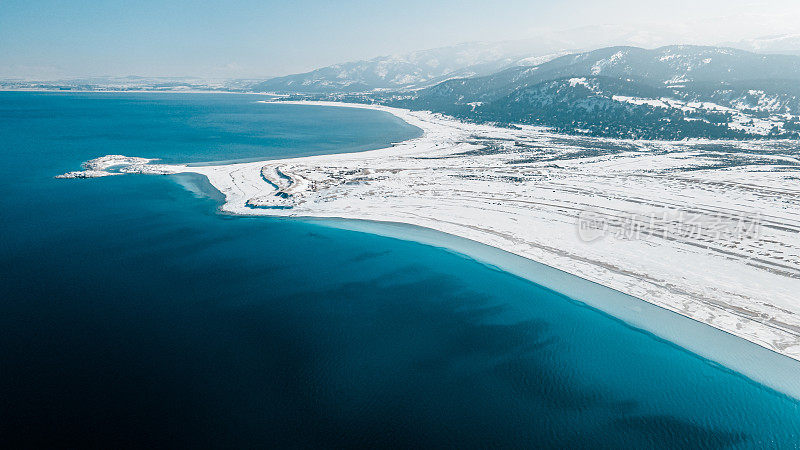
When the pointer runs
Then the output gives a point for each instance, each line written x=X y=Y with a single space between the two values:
x=55 y=38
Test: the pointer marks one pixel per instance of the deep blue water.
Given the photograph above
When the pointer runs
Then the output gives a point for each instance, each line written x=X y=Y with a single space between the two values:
x=134 y=314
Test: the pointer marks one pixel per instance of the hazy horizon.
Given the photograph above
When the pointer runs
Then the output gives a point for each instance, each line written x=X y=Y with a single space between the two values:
x=249 y=39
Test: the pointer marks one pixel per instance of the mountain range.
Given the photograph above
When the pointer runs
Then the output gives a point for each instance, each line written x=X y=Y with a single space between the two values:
x=671 y=92
x=428 y=67
x=745 y=89
x=782 y=44
x=409 y=71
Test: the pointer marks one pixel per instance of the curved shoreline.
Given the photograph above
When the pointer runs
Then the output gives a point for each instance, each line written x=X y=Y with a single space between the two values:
x=754 y=362
x=247 y=193
x=748 y=359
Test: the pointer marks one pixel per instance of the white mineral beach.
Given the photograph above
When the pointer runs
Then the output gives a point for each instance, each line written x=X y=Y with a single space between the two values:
x=707 y=229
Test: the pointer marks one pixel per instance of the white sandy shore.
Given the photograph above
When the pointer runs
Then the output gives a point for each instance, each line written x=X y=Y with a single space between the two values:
x=710 y=230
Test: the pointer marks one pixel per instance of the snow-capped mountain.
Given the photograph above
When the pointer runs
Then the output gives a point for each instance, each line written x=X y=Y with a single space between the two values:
x=669 y=92
x=666 y=66
x=428 y=67
x=413 y=70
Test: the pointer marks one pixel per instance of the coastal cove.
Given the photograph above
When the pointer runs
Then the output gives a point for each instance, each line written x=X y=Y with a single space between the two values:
x=155 y=309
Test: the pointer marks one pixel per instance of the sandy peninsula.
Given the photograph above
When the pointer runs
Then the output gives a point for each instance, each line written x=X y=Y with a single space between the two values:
x=707 y=229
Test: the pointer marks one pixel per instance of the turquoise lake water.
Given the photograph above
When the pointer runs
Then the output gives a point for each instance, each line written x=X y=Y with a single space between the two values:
x=134 y=314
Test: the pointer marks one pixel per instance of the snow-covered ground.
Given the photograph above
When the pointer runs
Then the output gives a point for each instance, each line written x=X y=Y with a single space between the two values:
x=740 y=120
x=98 y=167
x=710 y=230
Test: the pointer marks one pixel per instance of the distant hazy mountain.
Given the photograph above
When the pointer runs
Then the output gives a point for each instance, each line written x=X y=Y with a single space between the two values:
x=670 y=92
x=422 y=68
x=784 y=44
x=428 y=67
x=131 y=83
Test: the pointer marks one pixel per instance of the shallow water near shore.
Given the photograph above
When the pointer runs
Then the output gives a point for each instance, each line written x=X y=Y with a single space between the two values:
x=739 y=355
x=136 y=313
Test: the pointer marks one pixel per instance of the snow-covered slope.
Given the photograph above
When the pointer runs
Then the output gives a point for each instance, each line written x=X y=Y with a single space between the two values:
x=710 y=91
x=422 y=68
x=428 y=67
